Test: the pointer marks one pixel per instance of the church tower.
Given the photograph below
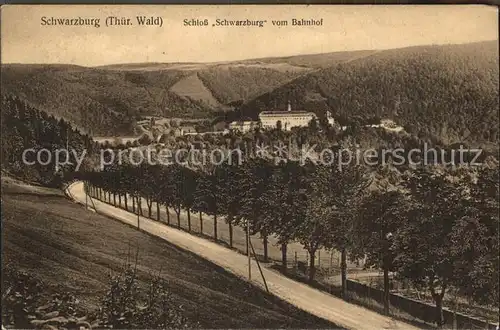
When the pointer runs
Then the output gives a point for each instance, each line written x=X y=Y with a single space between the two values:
x=289 y=106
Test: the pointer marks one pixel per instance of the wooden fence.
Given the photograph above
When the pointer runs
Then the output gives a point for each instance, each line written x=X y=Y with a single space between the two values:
x=421 y=310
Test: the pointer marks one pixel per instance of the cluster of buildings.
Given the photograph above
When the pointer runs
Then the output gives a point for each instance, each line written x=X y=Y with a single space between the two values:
x=284 y=119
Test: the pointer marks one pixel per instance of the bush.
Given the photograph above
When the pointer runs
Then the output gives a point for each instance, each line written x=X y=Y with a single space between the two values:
x=26 y=304
x=125 y=306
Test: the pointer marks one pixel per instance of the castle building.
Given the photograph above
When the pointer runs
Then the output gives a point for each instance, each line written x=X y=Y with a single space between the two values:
x=288 y=119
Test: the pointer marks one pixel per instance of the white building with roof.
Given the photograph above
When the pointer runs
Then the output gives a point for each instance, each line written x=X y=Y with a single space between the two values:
x=242 y=126
x=388 y=125
x=329 y=118
x=288 y=119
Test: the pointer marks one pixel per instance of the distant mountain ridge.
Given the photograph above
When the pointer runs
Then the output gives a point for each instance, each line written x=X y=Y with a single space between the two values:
x=320 y=60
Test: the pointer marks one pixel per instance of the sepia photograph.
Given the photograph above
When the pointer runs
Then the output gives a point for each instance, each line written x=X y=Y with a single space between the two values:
x=250 y=166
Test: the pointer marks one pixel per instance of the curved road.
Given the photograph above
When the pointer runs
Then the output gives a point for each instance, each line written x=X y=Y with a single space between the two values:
x=309 y=299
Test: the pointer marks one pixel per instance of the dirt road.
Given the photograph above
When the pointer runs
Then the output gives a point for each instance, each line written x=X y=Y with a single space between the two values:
x=311 y=300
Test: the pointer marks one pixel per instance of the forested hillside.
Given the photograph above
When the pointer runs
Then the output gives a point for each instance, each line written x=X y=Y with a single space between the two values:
x=106 y=100
x=99 y=101
x=450 y=92
x=24 y=127
x=229 y=84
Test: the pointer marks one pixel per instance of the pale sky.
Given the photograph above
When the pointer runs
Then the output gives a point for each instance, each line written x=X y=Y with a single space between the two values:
x=25 y=40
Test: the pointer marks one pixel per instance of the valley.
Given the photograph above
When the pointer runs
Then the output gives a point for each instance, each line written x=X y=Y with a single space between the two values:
x=354 y=86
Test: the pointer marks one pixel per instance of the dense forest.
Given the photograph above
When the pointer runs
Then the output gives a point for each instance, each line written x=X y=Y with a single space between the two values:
x=447 y=92
x=230 y=84
x=23 y=128
x=98 y=101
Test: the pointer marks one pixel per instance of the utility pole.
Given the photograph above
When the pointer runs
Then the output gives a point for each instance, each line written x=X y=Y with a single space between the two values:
x=385 y=265
x=138 y=213
x=248 y=252
x=331 y=262
x=260 y=269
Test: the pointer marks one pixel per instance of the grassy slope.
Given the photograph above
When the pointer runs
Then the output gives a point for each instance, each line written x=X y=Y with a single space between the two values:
x=192 y=87
x=75 y=250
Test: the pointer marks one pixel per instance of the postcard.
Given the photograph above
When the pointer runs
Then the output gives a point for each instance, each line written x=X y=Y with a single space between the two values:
x=250 y=166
